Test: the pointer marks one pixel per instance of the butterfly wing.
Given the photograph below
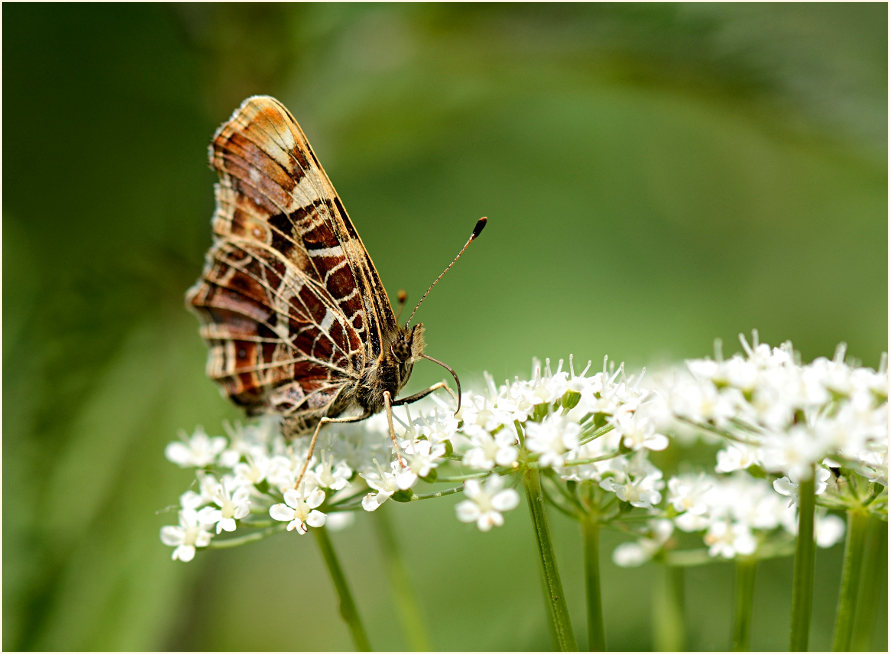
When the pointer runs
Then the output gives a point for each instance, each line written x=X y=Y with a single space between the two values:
x=291 y=304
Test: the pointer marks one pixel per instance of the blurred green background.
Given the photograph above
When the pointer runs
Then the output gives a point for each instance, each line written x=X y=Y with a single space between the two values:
x=656 y=176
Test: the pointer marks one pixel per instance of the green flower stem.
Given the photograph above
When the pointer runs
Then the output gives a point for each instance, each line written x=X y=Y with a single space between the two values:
x=441 y=493
x=224 y=543
x=567 y=495
x=596 y=459
x=857 y=522
x=873 y=586
x=405 y=598
x=745 y=569
x=457 y=478
x=804 y=560
x=591 y=434
x=555 y=599
x=347 y=606
x=595 y=632
x=669 y=622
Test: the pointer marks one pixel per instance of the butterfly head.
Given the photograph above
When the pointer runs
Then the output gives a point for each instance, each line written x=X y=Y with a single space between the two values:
x=407 y=346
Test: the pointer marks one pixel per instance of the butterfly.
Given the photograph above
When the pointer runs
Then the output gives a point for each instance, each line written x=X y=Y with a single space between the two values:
x=291 y=306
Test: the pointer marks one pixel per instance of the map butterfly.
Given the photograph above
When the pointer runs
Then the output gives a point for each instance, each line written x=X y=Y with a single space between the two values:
x=296 y=318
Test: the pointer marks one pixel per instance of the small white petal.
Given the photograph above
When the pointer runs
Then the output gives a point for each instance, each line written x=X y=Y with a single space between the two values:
x=292 y=498
x=316 y=519
x=281 y=512
x=372 y=501
x=184 y=553
x=467 y=511
x=172 y=535
x=628 y=555
x=505 y=500
x=489 y=520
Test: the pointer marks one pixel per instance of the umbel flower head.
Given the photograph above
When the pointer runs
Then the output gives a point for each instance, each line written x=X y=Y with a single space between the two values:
x=783 y=417
x=776 y=422
x=571 y=426
x=592 y=437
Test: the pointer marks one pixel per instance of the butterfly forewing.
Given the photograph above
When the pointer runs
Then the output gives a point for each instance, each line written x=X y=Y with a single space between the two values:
x=291 y=304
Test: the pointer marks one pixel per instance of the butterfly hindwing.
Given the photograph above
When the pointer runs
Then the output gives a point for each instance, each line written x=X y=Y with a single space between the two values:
x=290 y=302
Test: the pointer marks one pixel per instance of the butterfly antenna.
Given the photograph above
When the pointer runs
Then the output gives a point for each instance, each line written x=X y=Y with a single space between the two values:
x=402 y=297
x=480 y=225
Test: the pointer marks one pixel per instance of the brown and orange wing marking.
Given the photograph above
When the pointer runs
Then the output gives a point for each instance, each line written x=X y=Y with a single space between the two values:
x=290 y=302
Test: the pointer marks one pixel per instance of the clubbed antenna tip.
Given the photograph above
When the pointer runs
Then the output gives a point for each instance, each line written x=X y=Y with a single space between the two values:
x=480 y=225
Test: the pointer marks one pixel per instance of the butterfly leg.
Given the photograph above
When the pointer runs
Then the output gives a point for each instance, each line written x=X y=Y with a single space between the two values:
x=422 y=394
x=321 y=422
x=388 y=403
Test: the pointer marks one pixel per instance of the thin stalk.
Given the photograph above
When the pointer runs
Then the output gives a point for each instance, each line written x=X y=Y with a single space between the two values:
x=745 y=569
x=564 y=637
x=595 y=459
x=348 y=611
x=804 y=560
x=873 y=586
x=570 y=497
x=458 y=478
x=406 y=601
x=851 y=577
x=440 y=493
x=596 y=635
x=669 y=622
x=224 y=543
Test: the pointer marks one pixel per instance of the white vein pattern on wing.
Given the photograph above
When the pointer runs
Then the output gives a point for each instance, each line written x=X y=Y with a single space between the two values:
x=331 y=252
x=331 y=271
x=298 y=140
x=327 y=321
x=326 y=190
x=288 y=237
x=359 y=254
x=243 y=127
x=231 y=238
x=303 y=201
x=226 y=211
x=289 y=338
x=313 y=404
x=218 y=332
x=280 y=305
x=291 y=283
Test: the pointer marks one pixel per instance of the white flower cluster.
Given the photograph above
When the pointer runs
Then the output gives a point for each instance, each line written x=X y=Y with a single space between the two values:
x=588 y=433
x=251 y=476
x=583 y=427
x=785 y=417
x=578 y=426
x=778 y=422
x=735 y=515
